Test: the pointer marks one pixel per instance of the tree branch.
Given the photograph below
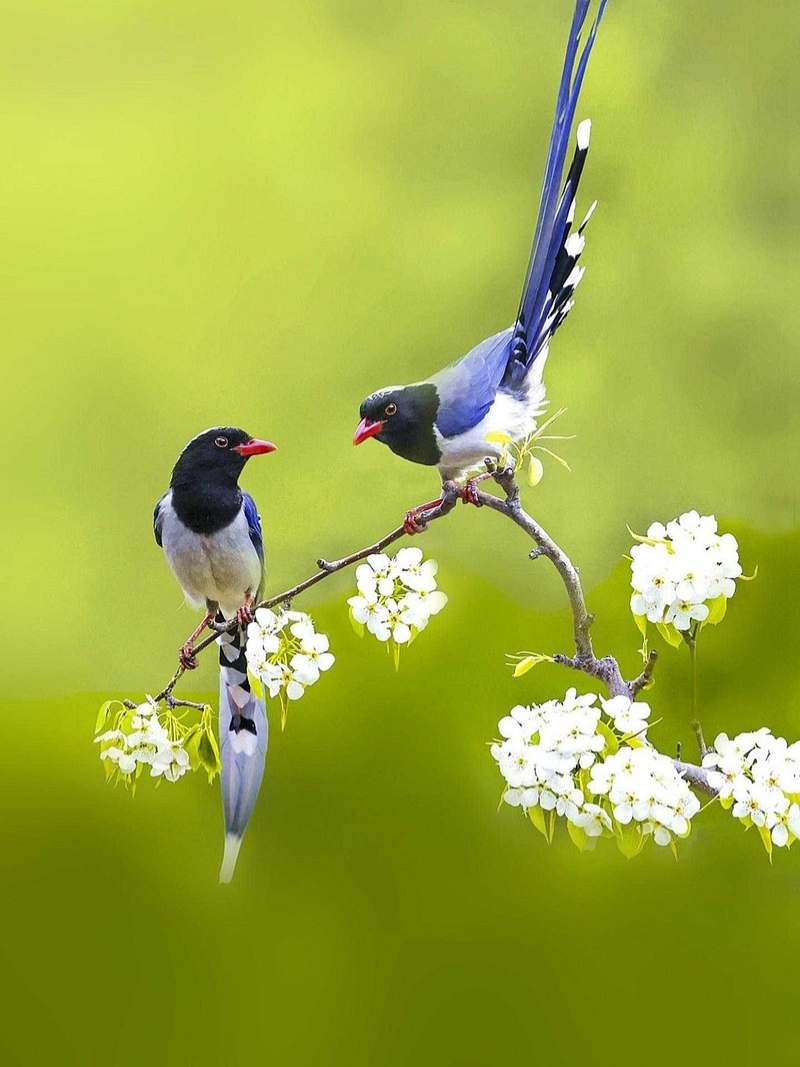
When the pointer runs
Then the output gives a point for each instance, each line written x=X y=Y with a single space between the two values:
x=605 y=669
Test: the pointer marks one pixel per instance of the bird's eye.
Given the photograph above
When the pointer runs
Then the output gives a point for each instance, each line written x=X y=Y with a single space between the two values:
x=221 y=442
x=390 y=409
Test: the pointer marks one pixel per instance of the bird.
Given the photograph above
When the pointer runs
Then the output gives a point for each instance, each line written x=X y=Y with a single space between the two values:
x=210 y=531
x=497 y=387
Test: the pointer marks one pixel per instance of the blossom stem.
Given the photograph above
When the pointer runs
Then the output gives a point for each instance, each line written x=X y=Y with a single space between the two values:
x=691 y=640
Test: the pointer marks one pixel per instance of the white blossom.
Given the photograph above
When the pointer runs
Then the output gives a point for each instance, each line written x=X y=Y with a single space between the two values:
x=286 y=653
x=758 y=776
x=681 y=568
x=141 y=739
x=561 y=756
x=396 y=595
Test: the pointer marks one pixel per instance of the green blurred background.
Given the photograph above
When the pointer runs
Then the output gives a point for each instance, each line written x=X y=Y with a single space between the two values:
x=257 y=213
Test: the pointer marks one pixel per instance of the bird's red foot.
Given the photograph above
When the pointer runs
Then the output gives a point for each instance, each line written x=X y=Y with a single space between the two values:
x=411 y=523
x=245 y=614
x=470 y=493
x=186 y=657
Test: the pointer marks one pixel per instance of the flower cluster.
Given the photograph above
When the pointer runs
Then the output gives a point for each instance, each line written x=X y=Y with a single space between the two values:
x=139 y=739
x=396 y=596
x=285 y=654
x=566 y=758
x=758 y=776
x=683 y=573
x=645 y=790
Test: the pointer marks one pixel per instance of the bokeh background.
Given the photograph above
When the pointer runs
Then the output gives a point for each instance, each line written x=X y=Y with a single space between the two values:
x=256 y=213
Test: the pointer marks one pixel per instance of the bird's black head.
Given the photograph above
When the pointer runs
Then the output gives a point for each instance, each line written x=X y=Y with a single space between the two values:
x=402 y=417
x=216 y=456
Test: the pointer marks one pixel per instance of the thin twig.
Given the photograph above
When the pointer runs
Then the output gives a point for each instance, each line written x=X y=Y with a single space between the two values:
x=450 y=495
x=643 y=680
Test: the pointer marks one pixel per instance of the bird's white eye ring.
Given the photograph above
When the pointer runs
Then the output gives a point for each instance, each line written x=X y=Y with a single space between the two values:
x=221 y=442
x=390 y=409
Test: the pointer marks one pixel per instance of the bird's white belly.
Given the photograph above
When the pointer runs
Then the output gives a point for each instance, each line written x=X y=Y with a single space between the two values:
x=515 y=416
x=221 y=568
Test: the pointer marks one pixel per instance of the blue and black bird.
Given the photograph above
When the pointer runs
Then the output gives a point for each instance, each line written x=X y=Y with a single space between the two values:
x=210 y=531
x=497 y=387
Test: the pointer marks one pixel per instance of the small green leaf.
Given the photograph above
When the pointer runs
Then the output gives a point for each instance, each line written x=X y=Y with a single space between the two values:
x=102 y=715
x=577 y=835
x=648 y=540
x=396 y=655
x=611 y=739
x=631 y=840
x=670 y=634
x=497 y=437
x=208 y=752
x=641 y=624
x=537 y=817
x=556 y=457
x=766 y=838
x=255 y=685
x=529 y=662
x=551 y=826
x=535 y=470
x=716 y=611
x=192 y=745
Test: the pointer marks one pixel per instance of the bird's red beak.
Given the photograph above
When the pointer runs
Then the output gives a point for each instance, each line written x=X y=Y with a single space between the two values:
x=254 y=447
x=367 y=428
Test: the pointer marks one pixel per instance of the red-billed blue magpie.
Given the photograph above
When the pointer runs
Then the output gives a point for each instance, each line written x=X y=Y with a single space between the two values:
x=444 y=420
x=210 y=531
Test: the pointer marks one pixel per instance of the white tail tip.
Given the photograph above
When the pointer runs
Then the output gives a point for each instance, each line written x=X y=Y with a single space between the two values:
x=229 y=858
x=584 y=133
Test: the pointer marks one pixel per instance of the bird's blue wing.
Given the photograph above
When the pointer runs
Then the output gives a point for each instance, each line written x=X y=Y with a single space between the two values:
x=253 y=524
x=158 y=520
x=467 y=388
x=550 y=282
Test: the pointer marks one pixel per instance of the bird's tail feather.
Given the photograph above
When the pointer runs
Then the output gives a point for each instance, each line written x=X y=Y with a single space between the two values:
x=244 y=735
x=552 y=273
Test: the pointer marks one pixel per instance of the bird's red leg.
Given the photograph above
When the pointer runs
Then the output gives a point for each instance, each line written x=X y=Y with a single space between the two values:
x=245 y=615
x=411 y=523
x=186 y=655
x=469 y=493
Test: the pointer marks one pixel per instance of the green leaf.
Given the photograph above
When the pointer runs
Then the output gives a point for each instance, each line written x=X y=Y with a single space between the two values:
x=551 y=826
x=641 y=624
x=766 y=838
x=555 y=456
x=102 y=715
x=577 y=835
x=208 y=751
x=612 y=741
x=631 y=840
x=192 y=745
x=670 y=634
x=357 y=626
x=647 y=540
x=396 y=655
x=255 y=685
x=497 y=437
x=716 y=611
x=529 y=662
x=537 y=817
x=535 y=470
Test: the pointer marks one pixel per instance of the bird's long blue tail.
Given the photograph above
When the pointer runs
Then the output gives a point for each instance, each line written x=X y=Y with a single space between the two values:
x=552 y=275
x=244 y=735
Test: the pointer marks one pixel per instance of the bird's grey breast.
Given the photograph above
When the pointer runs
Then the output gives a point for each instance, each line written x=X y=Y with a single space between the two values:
x=220 y=568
